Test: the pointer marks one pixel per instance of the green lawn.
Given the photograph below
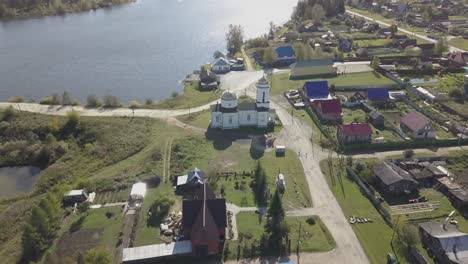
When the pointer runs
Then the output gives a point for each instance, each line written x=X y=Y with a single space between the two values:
x=370 y=42
x=280 y=82
x=191 y=97
x=374 y=237
x=460 y=43
x=314 y=238
x=145 y=234
x=201 y=119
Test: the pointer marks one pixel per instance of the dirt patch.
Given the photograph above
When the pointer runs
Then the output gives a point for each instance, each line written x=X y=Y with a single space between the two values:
x=71 y=243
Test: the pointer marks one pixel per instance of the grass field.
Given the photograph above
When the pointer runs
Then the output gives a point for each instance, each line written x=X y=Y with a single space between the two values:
x=460 y=43
x=314 y=238
x=92 y=229
x=370 y=42
x=280 y=82
x=374 y=237
x=191 y=97
x=201 y=119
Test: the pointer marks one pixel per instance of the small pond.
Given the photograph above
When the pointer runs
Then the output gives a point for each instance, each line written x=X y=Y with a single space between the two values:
x=16 y=180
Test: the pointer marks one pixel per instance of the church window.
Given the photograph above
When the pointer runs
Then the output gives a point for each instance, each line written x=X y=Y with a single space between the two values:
x=217 y=118
x=230 y=120
x=248 y=117
x=263 y=100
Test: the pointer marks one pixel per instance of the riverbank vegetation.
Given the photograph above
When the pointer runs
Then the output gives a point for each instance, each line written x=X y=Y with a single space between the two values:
x=29 y=8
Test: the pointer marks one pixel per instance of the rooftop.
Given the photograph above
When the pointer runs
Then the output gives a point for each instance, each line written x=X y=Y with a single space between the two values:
x=356 y=129
x=415 y=120
x=390 y=173
x=316 y=89
x=156 y=251
x=312 y=63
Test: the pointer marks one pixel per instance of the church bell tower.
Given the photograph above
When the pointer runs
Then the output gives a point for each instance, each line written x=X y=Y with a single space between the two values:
x=263 y=93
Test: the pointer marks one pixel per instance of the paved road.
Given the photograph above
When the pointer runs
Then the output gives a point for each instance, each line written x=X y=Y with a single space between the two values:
x=451 y=48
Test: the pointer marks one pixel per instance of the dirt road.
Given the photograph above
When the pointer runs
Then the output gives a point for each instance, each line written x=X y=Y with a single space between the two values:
x=451 y=48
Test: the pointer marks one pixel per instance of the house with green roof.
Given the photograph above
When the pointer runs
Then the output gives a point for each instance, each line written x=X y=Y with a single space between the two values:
x=312 y=68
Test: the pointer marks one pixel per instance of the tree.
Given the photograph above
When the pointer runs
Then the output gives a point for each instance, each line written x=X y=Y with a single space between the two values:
x=73 y=119
x=135 y=105
x=271 y=31
x=317 y=13
x=111 y=101
x=218 y=54
x=413 y=51
x=456 y=93
x=270 y=56
x=93 y=101
x=159 y=209
x=409 y=153
x=234 y=38
x=32 y=243
x=260 y=184
x=276 y=226
x=408 y=234
x=97 y=256
x=66 y=99
x=441 y=46
x=393 y=29
x=9 y=113
x=375 y=63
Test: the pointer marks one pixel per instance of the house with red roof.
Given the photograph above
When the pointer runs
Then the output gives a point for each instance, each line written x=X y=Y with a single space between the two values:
x=418 y=125
x=354 y=133
x=328 y=110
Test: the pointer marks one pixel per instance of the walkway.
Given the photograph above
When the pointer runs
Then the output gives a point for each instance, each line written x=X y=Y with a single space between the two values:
x=451 y=48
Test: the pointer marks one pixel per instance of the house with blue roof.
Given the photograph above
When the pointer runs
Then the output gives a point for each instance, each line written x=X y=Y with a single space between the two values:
x=378 y=96
x=286 y=55
x=316 y=90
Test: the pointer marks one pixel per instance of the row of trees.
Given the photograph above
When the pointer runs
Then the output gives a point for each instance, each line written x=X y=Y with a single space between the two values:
x=317 y=9
x=42 y=226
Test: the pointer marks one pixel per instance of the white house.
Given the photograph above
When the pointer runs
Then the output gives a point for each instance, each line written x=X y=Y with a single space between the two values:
x=230 y=114
x=221 y=65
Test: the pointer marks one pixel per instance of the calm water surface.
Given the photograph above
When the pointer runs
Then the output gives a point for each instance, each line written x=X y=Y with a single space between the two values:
x=14 y=180
x=135 y=51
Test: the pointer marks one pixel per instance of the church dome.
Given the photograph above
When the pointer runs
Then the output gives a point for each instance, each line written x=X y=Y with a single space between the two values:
x=228 y=96
x=228 y=100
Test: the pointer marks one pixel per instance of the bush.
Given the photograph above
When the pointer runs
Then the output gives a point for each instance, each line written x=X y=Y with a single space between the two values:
x=111 y=101
x=93 y=101
x=174 y=94
x=456 y=93
x=159 y=210
x=51 y=100
x=16 y=99
x=134 y=105
x=109 y=214
x=73 y=119
x=9 y=114
x=409 y=153
x=149 y=102
x=311 y=221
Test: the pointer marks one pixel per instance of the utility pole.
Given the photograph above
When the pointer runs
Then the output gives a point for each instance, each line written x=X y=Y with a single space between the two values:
x=292 y=115
x=298 y=242
x=461 y=135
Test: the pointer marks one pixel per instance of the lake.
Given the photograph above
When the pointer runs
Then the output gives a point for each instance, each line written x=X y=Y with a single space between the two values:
x=15 y=180
x=135 y=51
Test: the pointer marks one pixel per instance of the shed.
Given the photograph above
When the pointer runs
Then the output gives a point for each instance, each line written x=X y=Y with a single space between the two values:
x=280 y=149
x=376 y=118
x=75 y=196
x=286 y=55
x=138 y=191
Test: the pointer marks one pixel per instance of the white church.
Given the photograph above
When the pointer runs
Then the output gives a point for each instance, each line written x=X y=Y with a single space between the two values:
x=230 y=114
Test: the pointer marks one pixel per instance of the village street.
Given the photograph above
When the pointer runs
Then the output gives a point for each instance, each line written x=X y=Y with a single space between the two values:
x=296 y=136
x=451 y=48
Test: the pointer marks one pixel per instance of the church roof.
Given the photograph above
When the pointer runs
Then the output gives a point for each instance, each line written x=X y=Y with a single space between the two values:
x=247 y=106
x=228 y=96
x=218 y=108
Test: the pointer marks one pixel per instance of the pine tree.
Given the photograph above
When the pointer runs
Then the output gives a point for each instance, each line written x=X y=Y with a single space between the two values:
x=39 y=222
x=33 y=244
x=276 y=225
